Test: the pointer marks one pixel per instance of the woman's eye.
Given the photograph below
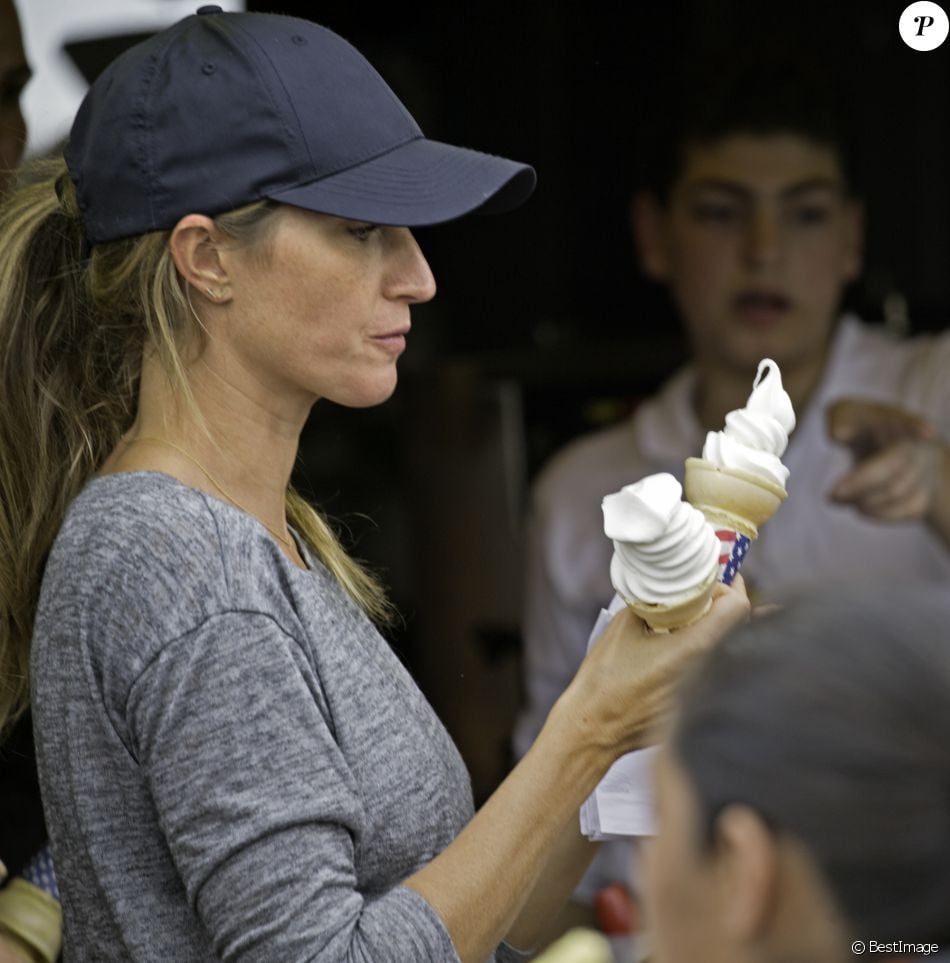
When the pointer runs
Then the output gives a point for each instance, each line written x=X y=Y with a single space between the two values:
x=362 y=231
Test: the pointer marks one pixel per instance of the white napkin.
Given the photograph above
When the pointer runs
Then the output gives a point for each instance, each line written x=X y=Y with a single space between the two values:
x=622 y=803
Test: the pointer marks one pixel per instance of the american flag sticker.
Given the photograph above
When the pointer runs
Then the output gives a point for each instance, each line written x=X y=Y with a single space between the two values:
x=732 y=553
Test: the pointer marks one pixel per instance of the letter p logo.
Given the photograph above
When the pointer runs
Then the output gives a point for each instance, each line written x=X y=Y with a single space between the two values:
x=924 y=25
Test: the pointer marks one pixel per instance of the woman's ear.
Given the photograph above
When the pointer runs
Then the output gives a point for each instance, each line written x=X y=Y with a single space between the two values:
x=648 y=224
x=749 y=861
x=195 y=246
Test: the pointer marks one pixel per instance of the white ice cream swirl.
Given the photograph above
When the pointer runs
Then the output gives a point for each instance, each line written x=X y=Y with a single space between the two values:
x=664 y=549
x=755 y=437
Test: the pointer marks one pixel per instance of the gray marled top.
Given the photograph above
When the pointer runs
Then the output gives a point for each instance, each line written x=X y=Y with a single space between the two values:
x=234 y=763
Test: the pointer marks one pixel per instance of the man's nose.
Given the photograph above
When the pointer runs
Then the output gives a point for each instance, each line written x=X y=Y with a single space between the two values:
x=763 y=241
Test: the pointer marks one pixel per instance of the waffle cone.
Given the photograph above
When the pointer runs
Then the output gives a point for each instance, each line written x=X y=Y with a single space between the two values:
x=731 y=498
x=677 y=615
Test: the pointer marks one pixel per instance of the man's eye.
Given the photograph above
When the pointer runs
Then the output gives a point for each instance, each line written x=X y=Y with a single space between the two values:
x=811 y=214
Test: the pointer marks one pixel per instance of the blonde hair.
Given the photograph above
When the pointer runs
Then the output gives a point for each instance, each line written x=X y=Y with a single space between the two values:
x=73 y=331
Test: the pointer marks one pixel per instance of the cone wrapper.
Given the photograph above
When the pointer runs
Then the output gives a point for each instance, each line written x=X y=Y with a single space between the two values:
x=735 y=503
x=734 y=546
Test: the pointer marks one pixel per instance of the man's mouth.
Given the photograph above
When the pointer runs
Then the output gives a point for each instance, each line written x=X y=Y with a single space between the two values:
x=762 y=307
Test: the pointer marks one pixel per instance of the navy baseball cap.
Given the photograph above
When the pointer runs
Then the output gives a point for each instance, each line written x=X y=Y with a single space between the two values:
x=223 y=109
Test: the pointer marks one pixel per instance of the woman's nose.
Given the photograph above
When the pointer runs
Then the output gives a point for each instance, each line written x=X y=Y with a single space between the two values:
x=410 y=278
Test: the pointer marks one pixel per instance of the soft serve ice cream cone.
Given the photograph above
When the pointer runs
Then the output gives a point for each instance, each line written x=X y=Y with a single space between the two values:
x=740 y=481
x=665 y=560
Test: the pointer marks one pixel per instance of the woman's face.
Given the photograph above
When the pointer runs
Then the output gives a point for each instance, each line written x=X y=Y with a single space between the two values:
x=326 y=313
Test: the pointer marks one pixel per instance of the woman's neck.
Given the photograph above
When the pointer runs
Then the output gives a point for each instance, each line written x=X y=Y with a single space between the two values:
x=225 y=443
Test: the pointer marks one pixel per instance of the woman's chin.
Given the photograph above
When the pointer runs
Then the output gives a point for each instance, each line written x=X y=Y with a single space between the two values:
x=365 y=395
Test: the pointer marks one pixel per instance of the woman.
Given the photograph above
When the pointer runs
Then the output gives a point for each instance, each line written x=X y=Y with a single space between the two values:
x=804 y=793
x=234 y=764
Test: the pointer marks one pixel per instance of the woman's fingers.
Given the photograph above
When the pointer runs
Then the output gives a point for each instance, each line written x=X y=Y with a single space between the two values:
x=628 y=678
x=730 y=607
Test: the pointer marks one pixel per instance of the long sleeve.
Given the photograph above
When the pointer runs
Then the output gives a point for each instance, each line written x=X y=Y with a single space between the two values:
x=260 y=802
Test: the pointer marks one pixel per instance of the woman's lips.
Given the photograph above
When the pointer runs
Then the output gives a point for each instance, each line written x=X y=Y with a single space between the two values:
x=392 y=341
x=761 y=308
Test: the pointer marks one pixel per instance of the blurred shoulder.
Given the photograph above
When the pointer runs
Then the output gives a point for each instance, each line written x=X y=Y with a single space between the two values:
x=909 y=371
x=590 y=466
x=657 y=436
x=873 y=346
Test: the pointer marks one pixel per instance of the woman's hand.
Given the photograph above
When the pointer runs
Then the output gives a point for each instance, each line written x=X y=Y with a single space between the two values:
x=624 y=687
x=485 y=884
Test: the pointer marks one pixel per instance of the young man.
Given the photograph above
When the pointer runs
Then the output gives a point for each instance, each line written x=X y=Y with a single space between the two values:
x=753 y=222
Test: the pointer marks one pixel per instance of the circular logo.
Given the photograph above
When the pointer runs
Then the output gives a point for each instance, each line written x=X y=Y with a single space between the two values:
x=858 y=947
x=924 y=25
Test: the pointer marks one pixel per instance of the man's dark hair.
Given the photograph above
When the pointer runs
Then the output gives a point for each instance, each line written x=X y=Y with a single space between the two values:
x=758 y=93
x=831 y=720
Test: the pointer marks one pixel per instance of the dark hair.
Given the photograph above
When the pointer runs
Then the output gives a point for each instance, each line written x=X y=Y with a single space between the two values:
x=832 y=720
x=763 y=92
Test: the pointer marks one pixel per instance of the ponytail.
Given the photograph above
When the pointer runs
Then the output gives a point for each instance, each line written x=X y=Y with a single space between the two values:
x=52 y=431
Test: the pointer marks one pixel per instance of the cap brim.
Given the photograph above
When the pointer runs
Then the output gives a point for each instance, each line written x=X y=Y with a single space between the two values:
x=418 y=183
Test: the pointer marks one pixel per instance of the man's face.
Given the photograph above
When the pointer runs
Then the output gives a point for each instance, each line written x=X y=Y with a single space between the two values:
x=757 y=242
x=14 y=73
x=681 y=892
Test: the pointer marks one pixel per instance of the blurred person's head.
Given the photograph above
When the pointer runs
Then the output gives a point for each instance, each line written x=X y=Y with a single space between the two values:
x=749 y=212
x=804 y=790
x=14 y=74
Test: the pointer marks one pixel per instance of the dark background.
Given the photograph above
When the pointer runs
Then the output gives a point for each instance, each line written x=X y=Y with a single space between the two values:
x=571 y=88
x=543 y=326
